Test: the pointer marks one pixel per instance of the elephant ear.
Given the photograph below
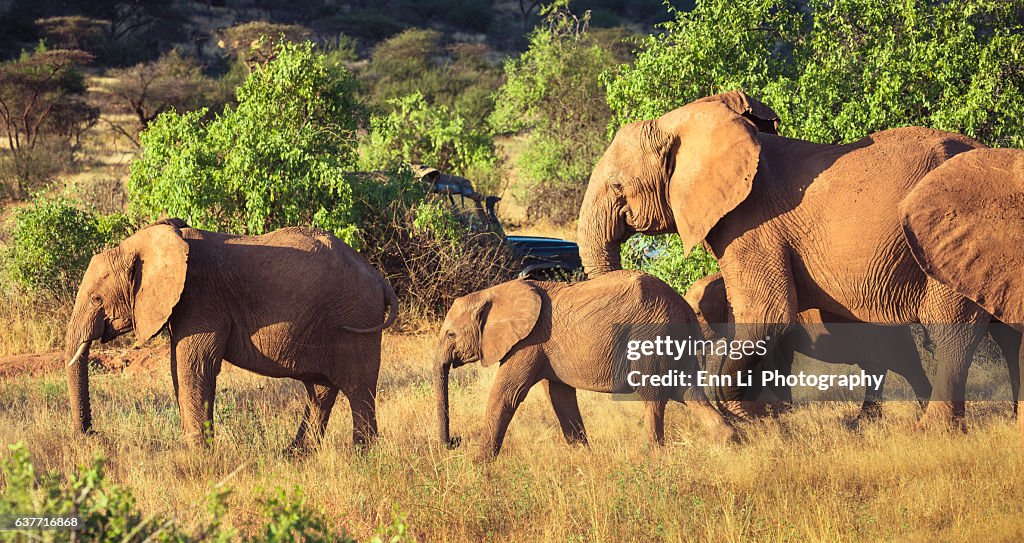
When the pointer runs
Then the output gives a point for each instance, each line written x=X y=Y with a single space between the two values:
x=158 y=275
x=764 y=118
x=712 y=163
x=964 y=222
x=509 y=315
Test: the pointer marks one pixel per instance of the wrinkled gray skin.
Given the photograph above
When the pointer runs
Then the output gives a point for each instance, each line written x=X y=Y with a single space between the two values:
x=828 y=338
x=562 y=335
x=294 y=303
x=795 y=225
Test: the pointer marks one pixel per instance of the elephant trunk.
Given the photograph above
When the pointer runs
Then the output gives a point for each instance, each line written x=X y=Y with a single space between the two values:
x=441 y=369
x=601 y=231
x=78 y=385
x=85 y=326
x=600 y=259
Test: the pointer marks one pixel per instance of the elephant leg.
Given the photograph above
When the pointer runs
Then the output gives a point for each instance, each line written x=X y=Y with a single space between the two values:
x=320 y=401
x=1009 y=342
x=760 y=288
x=962 y=326
x=567 y=409
x=195 y=363
x=510 y=388
x=1020 y=419
x=717 y=427
x=363 y=402
x=871 y=407
x=656 y=421
x=917 y=378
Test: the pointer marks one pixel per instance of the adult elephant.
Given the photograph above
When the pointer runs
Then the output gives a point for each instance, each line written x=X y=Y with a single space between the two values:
x=795 y=225
x=293 y=303
x=965 y=225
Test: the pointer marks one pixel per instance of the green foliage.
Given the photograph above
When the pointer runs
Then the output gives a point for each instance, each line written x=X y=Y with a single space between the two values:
x=849 y=68
x=276 y=159
x=289 y=519
x=662 y=256
x=458 y=76
x=552 y=92
x=418 y=133
x=438 y=220
x=108 y=513
x=721 y=45
x=52 y=241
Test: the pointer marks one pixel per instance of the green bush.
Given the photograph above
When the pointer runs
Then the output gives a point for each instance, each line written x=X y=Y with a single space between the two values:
x=52 y=240
x=662 y=256
x=108 y=513
x=848 y=68
x=553 y=94
x=419 y=133
x=279 y=158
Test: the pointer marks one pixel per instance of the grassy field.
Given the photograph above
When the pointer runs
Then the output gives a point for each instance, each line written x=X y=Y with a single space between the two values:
x=801 y=477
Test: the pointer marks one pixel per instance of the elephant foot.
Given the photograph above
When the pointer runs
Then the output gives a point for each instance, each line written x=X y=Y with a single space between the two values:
x=298 y=450
x=943 y=416
x=485 y=456
x=744 y=410
x=869 y=412
x=779 y=408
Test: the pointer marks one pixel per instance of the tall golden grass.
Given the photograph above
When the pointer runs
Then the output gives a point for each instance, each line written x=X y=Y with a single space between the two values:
x=801 y=477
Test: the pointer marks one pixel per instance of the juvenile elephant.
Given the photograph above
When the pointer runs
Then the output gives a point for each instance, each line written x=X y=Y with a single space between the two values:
x=795 y=225
x=565 y=335
x=295 y=303
x=828 y=338
x=965 y=225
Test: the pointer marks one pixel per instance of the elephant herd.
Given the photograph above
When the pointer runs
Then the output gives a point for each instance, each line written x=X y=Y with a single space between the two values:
x=905 y=226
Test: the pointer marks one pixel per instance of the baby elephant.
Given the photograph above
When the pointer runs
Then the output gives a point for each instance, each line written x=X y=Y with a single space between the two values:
x=564 y=335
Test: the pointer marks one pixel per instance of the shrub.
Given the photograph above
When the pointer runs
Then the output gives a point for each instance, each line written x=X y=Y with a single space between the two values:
x=662 y=256
x=52 y=241
x=277 y=159
x=108 y=513
x=458 y=76
x=431 y=251
x=552 y=92
x=848 y=68
x=418 y=133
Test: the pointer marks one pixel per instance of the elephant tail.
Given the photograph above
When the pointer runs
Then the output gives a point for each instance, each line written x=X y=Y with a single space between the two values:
x=392 y=301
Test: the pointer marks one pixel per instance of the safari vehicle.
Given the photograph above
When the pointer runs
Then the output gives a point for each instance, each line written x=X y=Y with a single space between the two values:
x=544 y=258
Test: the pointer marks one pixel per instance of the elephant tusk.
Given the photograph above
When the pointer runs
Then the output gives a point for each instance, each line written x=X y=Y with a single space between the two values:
x=78 y=353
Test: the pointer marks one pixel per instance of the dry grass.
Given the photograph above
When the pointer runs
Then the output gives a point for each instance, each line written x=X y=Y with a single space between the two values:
x=803 y=477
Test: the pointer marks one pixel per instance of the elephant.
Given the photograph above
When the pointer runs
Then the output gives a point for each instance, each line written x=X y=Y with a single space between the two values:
x=965 y=226
x=296 y=303
x=829 y=338
x=563 y=335
x=795 y=225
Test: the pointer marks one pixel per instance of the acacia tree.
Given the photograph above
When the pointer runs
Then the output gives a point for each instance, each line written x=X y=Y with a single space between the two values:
x=73 y=32
x=150 y=88
x=41 y=104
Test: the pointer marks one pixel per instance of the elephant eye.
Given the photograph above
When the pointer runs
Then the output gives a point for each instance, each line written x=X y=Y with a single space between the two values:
x=450 y=335
x=96 y=300
x=616 y=188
